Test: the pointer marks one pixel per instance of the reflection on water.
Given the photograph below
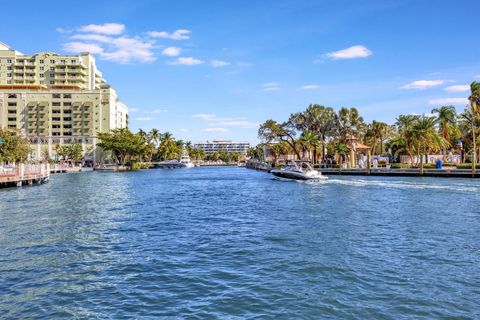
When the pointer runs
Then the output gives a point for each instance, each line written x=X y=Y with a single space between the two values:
x=230 y=242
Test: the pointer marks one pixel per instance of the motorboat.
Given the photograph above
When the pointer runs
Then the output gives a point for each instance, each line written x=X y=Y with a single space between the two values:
x=298 y=170
x=169 y=164
x=185 y=160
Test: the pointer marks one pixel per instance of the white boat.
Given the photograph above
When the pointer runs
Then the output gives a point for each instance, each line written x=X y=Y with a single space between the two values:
x=185 y=160
x=169 y=164
x=298 y=170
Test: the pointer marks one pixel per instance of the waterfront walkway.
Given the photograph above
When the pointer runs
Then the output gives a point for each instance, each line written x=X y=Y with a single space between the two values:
x=24 y=174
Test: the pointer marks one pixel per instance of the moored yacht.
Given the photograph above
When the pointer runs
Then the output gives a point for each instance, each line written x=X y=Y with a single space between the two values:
x=298 y=170
x=185 y=160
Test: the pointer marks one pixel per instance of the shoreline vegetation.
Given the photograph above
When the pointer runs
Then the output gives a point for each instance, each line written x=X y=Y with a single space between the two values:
x=344 y=140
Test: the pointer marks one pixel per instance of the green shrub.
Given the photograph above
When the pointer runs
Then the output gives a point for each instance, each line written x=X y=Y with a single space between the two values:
x=467 y=166
x=449 y=164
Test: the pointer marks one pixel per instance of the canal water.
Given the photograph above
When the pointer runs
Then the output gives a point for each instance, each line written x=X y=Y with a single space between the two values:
x=232 y=243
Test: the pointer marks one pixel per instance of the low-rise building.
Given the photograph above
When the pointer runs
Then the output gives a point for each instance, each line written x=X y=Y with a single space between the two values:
x=223 y=145
x=56 y=99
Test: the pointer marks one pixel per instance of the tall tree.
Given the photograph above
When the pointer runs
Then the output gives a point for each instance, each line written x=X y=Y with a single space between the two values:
x=272 y=131
x=13 y=147
x=447 y=119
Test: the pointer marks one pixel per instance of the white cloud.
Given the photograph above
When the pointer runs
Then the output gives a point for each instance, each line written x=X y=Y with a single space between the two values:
x=318 y=61
x=186 y=61
x=215 y=130
x=270 y=86
x=458 y=88
x=120 y=49
x=423 y=84
x=180 y=34
x=183 y=130
x=477 y=76
x=78 y=47
x=133 y=110
x=213 y=120
x=350 y=53
x=157 y=111
x=93 y=37
x=219 y=63
x=310 y=87
x=447 y=101
x=172 y=51
x=144 y=119
x=204 y=116
x=106 y=28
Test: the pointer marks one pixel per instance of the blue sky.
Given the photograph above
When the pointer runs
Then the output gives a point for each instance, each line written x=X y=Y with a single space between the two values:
x=216 y=69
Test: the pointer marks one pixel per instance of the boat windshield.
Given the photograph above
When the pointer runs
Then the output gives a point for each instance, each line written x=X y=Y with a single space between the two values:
x=299 y=165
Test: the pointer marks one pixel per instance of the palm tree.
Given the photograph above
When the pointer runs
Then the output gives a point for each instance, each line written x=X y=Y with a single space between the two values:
x=309 y=141
x=447 y=119
x=154 y=136
x=427 y=137
x=350 y=123
x=475 y=108
x=168 y=146
x=406 y=135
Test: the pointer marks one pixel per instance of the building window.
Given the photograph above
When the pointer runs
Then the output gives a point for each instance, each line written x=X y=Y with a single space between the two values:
x=55 y=111
x=74 y=61
x=42 y=82
x=12 y=95
x=67 y=104
x=55 y=126
x=56 y=96
x=12 y=111
x=9 y=81
x=12 y=104
x=67 y=111
x=52 y=61
x=55 y=133
x=56 y=104
x=52 y=68
x=42 y=61
x=9 y=60
x=67 y=119
x=67 y=96
x=9 y=75
x=9 y=67
x=42 y=75
x=55 y=119
x=52 y=82
x=12 y=126
x=67 y=126
x=62 y=61
x=42 y=68
x=52 y=75
x=12 y=119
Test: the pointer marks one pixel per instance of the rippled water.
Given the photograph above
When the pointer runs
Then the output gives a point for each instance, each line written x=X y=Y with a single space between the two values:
x=232 y=243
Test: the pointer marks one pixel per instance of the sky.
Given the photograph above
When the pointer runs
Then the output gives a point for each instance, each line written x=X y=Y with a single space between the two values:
x=206 y=70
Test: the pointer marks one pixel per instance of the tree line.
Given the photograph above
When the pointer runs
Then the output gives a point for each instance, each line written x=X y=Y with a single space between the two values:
x=320 y=131
x=127 y=147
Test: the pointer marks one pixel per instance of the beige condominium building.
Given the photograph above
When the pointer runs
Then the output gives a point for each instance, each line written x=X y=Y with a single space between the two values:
x=57 y=99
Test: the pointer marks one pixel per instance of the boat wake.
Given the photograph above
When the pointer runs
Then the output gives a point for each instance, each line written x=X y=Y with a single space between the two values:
x=452 y=186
